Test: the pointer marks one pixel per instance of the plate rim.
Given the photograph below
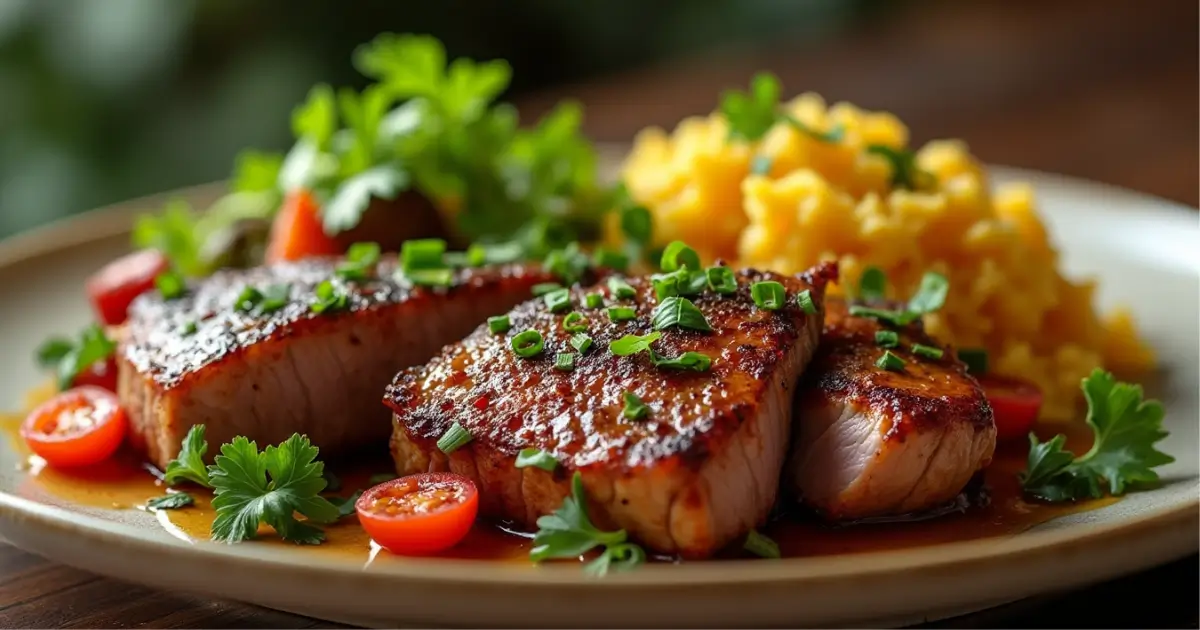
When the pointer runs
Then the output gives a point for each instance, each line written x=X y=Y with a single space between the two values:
x=115 y=219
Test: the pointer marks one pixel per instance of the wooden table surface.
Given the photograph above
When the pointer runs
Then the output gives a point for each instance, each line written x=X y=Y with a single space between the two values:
x=1098 y=89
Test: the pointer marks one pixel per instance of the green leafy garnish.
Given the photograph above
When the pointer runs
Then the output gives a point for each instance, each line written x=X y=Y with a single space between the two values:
x=632 y=344
x=345 y=506
x=189 y=464
x=331 y=298
x=905 y=172
x=721 y=280
x=251 y=488
x=976 y=360
x=872 y=286
x=70 y=359
x=930 y=297
x=263 y=301
x=569 y=533
x=333 y=483
x=620 y=289
x=679 y=312
x=677 y=255
x=454 y=438
x=564 y=361
x=170 y=285
x=360 y=262
x=689 y=361
x=889 y=361
x=634 y=409
x=761 y=545
x=769 y=295
x=751 y=115
x=173 y=501
x=537 y=458
x=1123 y=454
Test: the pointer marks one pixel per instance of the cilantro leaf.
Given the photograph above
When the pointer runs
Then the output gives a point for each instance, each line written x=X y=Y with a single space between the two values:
x=189 y=464
x=408 y=65
x=173 y=501
x=354 y=196
x=568 y=533
x=254 y=171
x=244 y=498
x=93 y=345
x=751 y=115
x=1123 y=454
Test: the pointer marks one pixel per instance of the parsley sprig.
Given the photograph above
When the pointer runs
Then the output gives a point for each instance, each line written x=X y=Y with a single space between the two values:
x=568 y=532
x=70 y=358
x=751 y=115
x=1125 y=427
x=929 y=298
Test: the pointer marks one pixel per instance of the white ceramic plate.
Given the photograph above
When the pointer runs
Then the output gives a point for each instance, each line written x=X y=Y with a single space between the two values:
x=1144 y=249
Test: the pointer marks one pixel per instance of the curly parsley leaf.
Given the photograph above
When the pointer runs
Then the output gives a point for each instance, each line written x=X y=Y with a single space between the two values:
x=189 y=464
x=251 y=488
x=1123 y=453
x=568 y=533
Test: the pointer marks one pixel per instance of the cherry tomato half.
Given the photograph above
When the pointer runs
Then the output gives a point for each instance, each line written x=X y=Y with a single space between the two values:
x=297 y=231
x=79 y=427
x=102 y=373
x=114 y=287
x=419 y=514
x=1015 y=404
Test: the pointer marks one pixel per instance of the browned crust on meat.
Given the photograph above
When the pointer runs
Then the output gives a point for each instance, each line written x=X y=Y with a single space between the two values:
x=509 y=403
x=924 y=394
x=156 y=347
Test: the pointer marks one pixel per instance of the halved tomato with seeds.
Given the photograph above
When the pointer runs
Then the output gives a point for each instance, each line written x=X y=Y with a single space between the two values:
x=419 y=514
x=79 y=427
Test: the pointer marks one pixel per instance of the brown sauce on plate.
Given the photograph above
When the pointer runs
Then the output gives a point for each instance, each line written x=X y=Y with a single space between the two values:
x=992 y=506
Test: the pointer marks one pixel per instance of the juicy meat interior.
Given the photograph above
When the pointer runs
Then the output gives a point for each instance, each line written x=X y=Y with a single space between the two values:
x=198 y=359
x=875 y=442
x=700 y=470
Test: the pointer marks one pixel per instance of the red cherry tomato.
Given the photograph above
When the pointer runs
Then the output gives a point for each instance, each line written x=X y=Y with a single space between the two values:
x=297 y=231
x=114 y=287
x=1015 y=405
x=79 y=427
x=419 y=514
x=101 y=374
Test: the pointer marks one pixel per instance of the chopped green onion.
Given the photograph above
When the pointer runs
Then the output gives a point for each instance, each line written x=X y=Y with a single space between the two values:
x=429 y=277
x=453 y=439
x=761 y=546
x=677 y=254
x=769 y=295
x=976 y=360
x=872 y=286
x=610 y=259
x=897 y=318
x=931 y=295
x=929 y=352
x=542 y=288
x=665 y=285
x=593 y=300
x=621 y=313
x=189 y=328
x=477 y=255
x=536 y=458
x=569 y=263
x=721 y=280
x=171 y=285
x=574 y=322
x=632 y=344
x=359 y=258
x=270 y=299
x=558 y=300
x=581 y=342
x=694 y=361
x=564 y=361
x=634 y=409
x=804 y=299
x=637 y=224
x=620 y=289
x=678 y=311
x=499 y=324
x=691 y=282
x=528 y=343
x=761 y=165
x=887 y=338
x=425 y=253
x=890 y=361
x=330 y=298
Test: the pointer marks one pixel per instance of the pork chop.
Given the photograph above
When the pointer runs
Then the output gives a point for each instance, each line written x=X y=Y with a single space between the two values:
x=199 y=359
x=700 y=470
x=876 y=442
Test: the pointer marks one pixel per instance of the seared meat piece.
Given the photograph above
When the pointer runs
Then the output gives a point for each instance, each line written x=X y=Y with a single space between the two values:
x=873 y=442
x=269 y=375
x=701 y=469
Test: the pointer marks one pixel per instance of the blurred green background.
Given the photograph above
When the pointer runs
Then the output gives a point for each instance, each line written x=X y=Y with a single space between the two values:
x=103 y=100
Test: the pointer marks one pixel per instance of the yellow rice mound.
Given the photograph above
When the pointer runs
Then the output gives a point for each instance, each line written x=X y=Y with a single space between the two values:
x=824 y=201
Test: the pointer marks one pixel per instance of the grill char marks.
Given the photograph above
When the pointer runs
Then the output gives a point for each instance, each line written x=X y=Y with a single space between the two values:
x=698 y=471
x=874 y=442
x=268 y=375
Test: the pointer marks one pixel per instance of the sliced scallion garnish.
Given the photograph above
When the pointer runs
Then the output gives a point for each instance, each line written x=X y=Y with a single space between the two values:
x=886 y=338
x=453 y=439
x=593 y=300
x=564 y=361
x=677 y=255
x=928 y=352
x=768 y=295
x=528 y=343
x=574 y=322
x=610 y=259
x=761 y=546
x=890 y=362
x=634 y=409
x=621 y=313
x=558 y=300
x=536 y=458
x=581 y=342
x=721 y=280
x=681 y=312
x=804 y=299
x=423 y=253
x=620 y=289
x=542 y=288
x=499 y=324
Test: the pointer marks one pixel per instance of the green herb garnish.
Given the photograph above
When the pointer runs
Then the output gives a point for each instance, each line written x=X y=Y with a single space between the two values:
x=172 y=501
x=427 y=277
x=634 y=409
x=569 y=264
x=499 y=324
x=761 y=546
x=768 y=295
x=805 y=302
x=1123 y=454
x=528 y=344
x=536 y=458
x=680 y=312
x=887 y=338
x=564 y=361
x=558 y=300
x=872 y=286
x=593 y=300
x=453 y=439
x=171 y=285
x=569 y=533
x=581 y=342
x=542 y=288
x=721 y=280
x=70 y=359
x=930 y=296
x=574 y=323
x=928 y=352
x=690 y=361
x=678 y=255
x=425 y=253
x=606 y=258
x=360 y=262
x=620 y=289
x=621 y=313
x=632 y=344
x=261 y=302
x=189 y=464
x=976 y=360
x=890 y=362
x=905 y=172
x=751 y=115
x=330 y=298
